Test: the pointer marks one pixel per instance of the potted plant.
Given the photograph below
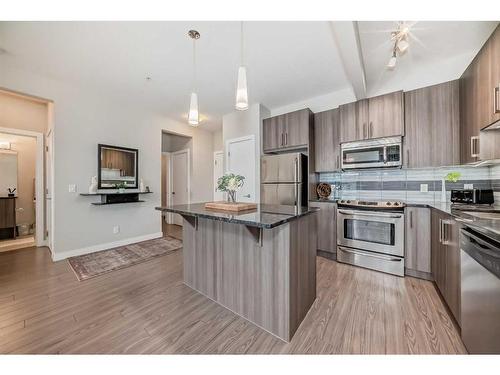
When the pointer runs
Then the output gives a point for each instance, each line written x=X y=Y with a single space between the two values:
x=121 y=186
x=230 y=183
x=450 y=177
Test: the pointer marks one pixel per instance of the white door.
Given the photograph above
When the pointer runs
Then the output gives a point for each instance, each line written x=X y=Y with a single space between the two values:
x=241 y=160
x=49 y=141
x=180 y=180
x=218 y=172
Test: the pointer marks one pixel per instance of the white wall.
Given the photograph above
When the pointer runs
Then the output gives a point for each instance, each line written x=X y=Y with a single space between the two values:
x=318 y=103
x=82 y=119
x=243 y=123
x=217 y=140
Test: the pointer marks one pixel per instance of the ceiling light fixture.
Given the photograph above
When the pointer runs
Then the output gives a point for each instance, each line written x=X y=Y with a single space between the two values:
x=242 y=89
x=401 y=44
x=193 y=116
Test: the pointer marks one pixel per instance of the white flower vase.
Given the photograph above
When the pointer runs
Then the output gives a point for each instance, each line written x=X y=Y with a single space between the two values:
x=93 y=185
x=141 y=186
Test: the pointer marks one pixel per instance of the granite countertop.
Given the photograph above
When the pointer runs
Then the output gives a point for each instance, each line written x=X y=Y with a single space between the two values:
x=265 y=216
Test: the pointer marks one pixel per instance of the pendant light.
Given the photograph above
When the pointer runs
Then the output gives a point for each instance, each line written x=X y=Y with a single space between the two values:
x=242 y=89
x=194 y=116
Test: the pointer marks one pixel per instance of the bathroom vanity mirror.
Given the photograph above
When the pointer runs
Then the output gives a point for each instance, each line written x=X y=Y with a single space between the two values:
x=118 y=167
x=8 y=172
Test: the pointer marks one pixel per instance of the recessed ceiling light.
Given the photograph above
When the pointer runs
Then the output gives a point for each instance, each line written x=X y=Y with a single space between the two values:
x=148 y=79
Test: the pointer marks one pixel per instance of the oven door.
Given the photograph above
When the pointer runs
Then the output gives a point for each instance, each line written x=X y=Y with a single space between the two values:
x=382 y=232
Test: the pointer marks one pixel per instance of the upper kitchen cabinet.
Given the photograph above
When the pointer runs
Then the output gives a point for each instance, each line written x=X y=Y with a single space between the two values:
x=353 y=121
x=432 y=122
x=381 y=116
x=480 y=103
x=327 y=140
x=385 y=114
x=289 y=131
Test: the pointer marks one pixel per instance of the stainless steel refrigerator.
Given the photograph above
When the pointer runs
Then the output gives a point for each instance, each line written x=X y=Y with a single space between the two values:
x=284 y=179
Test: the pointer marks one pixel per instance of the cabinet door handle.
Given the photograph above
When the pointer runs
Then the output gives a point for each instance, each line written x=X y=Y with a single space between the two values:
x=286 y=138
x=440 y=231
x=411 y=219
x=474 y=146
x=495 y=99
x=408 y=158
x=281 y=143
x=338 y=161
x=370 y=130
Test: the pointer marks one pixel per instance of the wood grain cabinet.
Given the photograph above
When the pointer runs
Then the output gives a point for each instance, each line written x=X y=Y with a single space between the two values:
x=327 y=140
x=380 y=116
x=288 y=131
x=418 y=242
x=7 y=217
x=432 y=126
x=445 y=259
x=480 y=103
x=327 y=227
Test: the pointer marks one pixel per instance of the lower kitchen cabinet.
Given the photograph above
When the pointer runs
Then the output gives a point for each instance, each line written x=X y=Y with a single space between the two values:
x=327 y=228
x=445 y=258
x=418 y=242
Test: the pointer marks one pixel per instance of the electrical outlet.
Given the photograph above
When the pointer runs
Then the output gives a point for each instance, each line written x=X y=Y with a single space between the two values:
x=424 y=188
x=468 y=186
x=72 y=188
x=116 y=229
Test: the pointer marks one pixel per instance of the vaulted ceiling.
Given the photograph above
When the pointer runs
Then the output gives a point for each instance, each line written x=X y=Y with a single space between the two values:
x=287 y=62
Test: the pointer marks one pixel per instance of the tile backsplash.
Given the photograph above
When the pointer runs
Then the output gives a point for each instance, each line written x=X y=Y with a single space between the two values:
x=412 y=185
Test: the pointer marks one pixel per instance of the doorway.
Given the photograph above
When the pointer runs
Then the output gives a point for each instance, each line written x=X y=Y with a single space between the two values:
x=218 y=172
x=21 y=189
x=175 y=177
x=241 y=160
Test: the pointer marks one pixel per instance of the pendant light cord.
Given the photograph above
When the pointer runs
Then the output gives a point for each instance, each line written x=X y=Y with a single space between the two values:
x=194 y=65
x=241 y=43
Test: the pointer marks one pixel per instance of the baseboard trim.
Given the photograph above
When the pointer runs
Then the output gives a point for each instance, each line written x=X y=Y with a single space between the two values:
x=326 y=254
x=105 y=246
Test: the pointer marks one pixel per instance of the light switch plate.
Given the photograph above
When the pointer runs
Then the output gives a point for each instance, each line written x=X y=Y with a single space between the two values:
x=72 y=188
x=468 y=186
x=424 y=188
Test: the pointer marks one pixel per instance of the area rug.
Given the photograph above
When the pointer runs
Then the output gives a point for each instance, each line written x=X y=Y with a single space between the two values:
x=95 y=264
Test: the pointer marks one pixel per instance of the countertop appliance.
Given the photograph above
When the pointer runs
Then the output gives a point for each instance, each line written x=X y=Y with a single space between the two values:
x=480 y=292
x=284 y=179
x=372 y=153
x=472 y=196
x=371 y=234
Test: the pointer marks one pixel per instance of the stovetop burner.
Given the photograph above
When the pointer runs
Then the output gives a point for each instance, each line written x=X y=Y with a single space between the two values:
x=370 y=204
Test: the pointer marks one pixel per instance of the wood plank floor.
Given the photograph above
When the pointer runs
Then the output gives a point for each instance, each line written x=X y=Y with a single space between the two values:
x=147 y=309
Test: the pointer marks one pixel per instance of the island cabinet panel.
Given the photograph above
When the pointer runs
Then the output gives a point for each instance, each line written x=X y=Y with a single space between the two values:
x=432 y=121
x=327 y=228
x=418 y=242
x=385 y=114
x=268 y=276
x=327 y=140
x=445 y=258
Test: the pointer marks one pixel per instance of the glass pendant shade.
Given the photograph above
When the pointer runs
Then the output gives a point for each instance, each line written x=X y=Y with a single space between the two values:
x=193 y=117
x=242 y=90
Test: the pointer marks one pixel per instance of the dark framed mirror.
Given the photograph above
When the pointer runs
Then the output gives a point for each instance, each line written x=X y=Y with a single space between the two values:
x=117 y=167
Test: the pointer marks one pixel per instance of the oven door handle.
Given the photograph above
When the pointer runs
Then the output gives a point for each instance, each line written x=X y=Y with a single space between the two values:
x=391 y=259
x=378 y=214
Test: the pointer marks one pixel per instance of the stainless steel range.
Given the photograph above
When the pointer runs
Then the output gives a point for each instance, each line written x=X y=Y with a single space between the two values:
x=371 y=234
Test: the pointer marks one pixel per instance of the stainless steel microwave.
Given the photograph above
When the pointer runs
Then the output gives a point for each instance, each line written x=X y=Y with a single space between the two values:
x=372 y=153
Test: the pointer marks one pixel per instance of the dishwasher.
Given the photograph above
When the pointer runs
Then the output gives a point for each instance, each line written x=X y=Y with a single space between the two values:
x=480 y=296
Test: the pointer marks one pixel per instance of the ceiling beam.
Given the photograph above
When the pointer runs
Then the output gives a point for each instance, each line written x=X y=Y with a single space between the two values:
x=346 y=37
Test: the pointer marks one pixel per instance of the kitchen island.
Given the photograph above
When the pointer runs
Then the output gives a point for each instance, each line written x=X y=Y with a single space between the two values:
x=260 y=264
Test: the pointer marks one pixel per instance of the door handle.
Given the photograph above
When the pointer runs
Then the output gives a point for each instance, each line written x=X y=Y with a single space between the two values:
x=286 y=139
x=408 y=158
x=370 y=130
x=246 y=196
x=474 y=146
x=364 y=130
x=411 y=219
x=281 y=144
x=173 y=192
x=495 y=99
x=392 y=259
